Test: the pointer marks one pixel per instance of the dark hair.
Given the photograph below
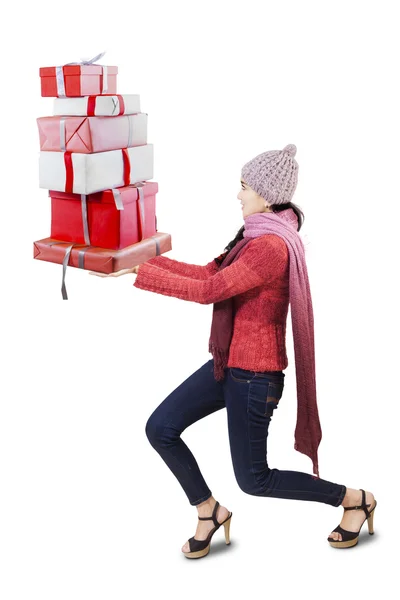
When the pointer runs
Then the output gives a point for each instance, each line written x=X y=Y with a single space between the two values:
x=276 y=208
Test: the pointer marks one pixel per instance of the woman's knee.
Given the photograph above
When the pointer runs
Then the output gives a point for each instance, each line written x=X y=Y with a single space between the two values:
x=159 y=432
x=153 y=430
x=248 y=487
x=252 y=485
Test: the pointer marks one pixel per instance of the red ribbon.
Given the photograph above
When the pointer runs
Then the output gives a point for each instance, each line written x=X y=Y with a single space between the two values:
x=69 y=170
x=69 y=173
x=127 y=166
x=91 y=104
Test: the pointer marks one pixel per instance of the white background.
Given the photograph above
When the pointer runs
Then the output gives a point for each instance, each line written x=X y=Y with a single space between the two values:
x=88 y=508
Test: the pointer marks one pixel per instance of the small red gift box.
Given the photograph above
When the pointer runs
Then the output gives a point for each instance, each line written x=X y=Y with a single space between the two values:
x=112 y=219
x=78 y=80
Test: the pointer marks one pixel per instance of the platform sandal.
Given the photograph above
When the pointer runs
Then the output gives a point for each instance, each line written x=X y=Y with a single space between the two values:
x=200 y=548
x=350 y=538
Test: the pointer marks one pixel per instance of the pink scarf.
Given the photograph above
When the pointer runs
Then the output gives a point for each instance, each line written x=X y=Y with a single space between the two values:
x=308 y=429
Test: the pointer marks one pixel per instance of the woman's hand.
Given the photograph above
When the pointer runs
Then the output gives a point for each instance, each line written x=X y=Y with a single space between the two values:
x=117 y=273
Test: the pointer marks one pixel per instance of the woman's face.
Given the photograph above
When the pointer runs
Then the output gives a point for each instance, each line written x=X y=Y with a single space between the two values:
x=251 y=201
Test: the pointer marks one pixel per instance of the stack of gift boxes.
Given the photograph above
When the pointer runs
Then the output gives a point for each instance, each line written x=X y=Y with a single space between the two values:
x=96 y=163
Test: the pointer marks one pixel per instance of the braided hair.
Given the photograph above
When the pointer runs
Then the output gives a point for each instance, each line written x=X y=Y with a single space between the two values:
x=276 y=208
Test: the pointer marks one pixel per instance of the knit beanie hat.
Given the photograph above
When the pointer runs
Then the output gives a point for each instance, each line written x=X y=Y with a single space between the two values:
x=273 y=174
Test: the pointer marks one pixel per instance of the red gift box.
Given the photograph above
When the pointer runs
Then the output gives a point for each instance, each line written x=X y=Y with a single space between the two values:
x=78 y=80
x=102 y=260
x=106 y=225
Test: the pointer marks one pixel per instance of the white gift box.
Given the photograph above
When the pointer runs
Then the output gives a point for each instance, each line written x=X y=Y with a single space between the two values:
x=90 y=173
x=97 y=106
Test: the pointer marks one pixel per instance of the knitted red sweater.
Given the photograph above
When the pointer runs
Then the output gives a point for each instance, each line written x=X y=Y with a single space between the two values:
x=259 y=283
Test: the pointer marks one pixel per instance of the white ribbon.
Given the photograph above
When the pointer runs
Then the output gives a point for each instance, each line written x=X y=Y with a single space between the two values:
x=105 y=80
x=142 y=209
x=115 y=101
x=117 y=199
x=91 y=61
x=60 y=74
x=65 y=261
x=85 y=219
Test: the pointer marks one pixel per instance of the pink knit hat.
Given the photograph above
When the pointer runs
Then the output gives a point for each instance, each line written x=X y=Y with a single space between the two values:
x=273 y=174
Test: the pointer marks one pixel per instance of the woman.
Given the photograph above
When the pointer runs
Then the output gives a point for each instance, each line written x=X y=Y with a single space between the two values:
x=251 y=285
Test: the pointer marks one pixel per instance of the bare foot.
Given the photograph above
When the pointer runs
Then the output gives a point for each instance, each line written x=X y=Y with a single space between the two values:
x=204 y=527
x=353 y=519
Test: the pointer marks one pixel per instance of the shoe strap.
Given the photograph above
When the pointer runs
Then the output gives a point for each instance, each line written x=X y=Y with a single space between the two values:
x=363 y=505
x=213 y=516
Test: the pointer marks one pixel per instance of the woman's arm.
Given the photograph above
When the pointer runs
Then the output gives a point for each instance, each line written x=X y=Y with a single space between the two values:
x=182 y=268
x=264 y=259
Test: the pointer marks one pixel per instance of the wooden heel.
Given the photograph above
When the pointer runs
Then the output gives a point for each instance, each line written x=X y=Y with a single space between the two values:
x=227 y=526
x=371 y=521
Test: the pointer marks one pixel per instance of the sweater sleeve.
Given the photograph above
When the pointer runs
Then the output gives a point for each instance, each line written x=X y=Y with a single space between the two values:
x=262 y=261
x=183 y=268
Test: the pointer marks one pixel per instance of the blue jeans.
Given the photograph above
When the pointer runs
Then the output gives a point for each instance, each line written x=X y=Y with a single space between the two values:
x=250 y=399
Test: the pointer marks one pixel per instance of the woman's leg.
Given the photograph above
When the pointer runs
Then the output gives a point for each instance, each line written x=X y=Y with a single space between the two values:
x=198 y=396
x=251 y=399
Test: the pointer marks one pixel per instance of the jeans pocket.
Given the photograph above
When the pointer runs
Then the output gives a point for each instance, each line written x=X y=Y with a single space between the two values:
x=274 y=394
x=241 y=375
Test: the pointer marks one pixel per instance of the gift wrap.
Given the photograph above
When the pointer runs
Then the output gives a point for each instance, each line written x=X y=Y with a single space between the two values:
x=77 y=173
x=111 y=219
x=91 y=134
x=78 y=80
x=98 y=106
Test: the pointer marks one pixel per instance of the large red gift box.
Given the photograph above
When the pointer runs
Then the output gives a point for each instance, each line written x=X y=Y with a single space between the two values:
x=100 y=259
x=78 y=80
x=101 y=215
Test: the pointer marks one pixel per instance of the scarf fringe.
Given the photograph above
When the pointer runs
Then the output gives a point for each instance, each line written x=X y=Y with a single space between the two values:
x=220 y=361
x=312 y=454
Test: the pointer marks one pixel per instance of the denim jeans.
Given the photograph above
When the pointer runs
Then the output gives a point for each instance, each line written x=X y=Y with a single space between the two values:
x=250 y=398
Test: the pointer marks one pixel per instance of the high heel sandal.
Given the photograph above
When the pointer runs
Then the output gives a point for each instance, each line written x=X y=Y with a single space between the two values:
x=199 y=548
x=350 y=538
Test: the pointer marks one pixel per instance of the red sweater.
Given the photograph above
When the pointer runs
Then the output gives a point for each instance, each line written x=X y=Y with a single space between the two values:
x=259 y=283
